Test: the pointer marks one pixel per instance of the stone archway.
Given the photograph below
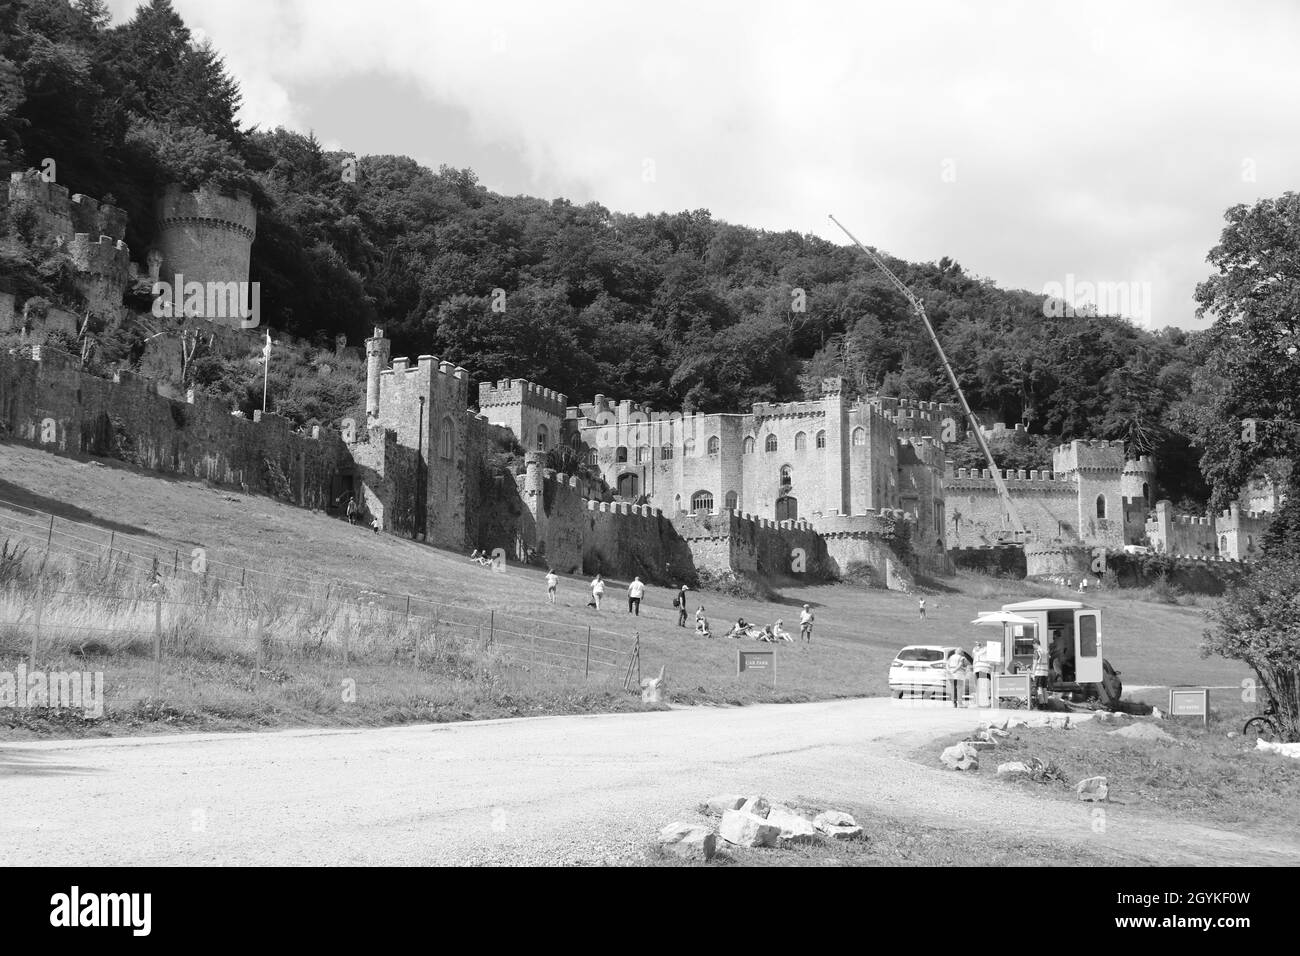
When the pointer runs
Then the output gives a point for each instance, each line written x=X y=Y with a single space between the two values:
x=627 y=485
x=787 y=508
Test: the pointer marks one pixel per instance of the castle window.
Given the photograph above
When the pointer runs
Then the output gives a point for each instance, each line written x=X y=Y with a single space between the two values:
x=749 y=444
x=666 y=452
x=786 y=479
x=770 y=444
x=714 y=445
x=821 y=439
x=1223 y=544
x=1146 y=493
x=446 y=438
x=593 y=457
x=733 y=501
x=542 y=437
x=1101 y=506
x=688 y=448
x=643 y=454
x=1250 y=543
x=800 y=441
x=859 y=436
x=620 y=456
x=702 y=501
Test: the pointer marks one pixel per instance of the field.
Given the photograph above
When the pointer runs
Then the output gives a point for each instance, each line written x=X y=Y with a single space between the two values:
x=857 y=631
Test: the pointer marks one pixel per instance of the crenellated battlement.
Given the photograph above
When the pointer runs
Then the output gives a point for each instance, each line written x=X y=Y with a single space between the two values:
x=789 y=410
x=521 y=392
x=1091 y=455
x=99 y=255
x=1021 y=480
x=213 y=208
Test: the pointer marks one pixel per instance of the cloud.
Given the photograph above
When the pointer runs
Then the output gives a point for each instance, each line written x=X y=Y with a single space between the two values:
x=1102 y=140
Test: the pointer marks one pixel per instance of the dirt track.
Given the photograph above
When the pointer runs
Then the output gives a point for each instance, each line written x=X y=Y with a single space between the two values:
x=538 y=790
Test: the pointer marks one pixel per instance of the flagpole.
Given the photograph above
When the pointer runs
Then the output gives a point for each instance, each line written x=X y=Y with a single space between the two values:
x=266 y=369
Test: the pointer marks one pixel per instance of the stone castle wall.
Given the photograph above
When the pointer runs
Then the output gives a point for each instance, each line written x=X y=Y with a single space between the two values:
x=206 y=235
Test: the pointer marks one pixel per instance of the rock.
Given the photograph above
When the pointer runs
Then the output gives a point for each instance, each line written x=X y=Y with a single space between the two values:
x=1012 y=767
x=688 y=841
x=1143 y=732
x=843 y=833
x=980 y=744
x=1016 y=722
x=724 y=802
x=833 y=818
x=1093 y=789
x=744 y=829
x=995 y=732
x=1231 y=734
x=794 y=828
x=960 y=756
x=1157 y=713
x=758 y=806
x=653 y=689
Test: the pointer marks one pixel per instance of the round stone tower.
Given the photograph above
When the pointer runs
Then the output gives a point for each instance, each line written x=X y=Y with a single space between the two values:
x=377 y=352
x=1138 y=482
x=206 y=235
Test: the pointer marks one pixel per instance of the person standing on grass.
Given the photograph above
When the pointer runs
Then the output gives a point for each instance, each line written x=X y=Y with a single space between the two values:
x=552 y=582
x=681 y=606
x=921 y=606
x=597 y=591
x=635 y=591
x=1040 y=672
x=957 y=675
x=805 y=625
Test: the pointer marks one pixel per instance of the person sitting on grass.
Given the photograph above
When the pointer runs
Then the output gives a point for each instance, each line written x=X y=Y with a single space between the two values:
x=701 y=623
x=765 y=635
x=740 y=629
x=780 y=633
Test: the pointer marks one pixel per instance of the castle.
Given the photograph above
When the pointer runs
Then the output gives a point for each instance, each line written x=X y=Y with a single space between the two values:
x=813 y=487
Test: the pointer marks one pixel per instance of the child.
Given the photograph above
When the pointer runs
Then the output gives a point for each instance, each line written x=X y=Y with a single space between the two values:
x=597 y=591
x=921 y=605
x=701 y=623
x=551 y=583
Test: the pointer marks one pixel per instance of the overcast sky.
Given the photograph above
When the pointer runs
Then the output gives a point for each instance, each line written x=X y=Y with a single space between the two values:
x=1032 y=142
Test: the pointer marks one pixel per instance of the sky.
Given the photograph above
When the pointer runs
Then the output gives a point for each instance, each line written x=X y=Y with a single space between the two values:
x=1046 y=146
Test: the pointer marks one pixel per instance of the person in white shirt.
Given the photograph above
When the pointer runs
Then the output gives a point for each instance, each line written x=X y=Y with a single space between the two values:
x=805 y=624
x=597 y=591
x=957 y=675
x=552 y=582
x=635 y=591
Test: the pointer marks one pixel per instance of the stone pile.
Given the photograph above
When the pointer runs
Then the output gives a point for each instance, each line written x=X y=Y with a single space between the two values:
x=755 y=822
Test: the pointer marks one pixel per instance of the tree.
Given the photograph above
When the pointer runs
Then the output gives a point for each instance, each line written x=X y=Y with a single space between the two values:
x=1250 y=377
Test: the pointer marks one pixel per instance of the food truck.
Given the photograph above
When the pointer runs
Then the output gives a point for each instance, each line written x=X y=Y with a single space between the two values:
x=1071 y=633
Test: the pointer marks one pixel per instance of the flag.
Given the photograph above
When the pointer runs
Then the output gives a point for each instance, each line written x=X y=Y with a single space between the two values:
x=266 y=349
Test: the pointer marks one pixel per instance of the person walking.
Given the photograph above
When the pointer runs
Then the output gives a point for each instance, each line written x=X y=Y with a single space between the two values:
x=957 y=676
x=681 y=606
x=635 y=591
x=552 y=582
x=352 y=511
x=805 y=625
x=921 y=606
x=1040 y=671
x=597 y=591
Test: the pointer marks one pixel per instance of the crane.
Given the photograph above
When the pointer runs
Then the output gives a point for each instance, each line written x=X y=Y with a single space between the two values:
x=919 y=309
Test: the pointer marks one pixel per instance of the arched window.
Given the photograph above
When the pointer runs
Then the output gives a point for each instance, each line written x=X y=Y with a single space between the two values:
x=702 y=501
x=666 y=452
x=593 y=457
x=749 y=444
x=1146 y=493
x=1250 y=543
x=620 y=456
x=821 y=439
x=643 y=454
x=714 y=445
x=800 y=441
x=859 y=436
x=688 y=448
x=1223 y=544
x=786 y=479
x=770 y=444
x=733 y=501
x=543 y=435
x=1101 y=506
x=446 y=438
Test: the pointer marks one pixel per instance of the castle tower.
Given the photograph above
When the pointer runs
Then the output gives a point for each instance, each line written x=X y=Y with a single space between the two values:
x=205 y=235
x=1096 y=467
x=535 y=414
x=1138 y=481
x=378 y=349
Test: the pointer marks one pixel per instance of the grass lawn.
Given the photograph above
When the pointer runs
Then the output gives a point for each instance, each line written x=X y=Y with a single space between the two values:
x=858 y=631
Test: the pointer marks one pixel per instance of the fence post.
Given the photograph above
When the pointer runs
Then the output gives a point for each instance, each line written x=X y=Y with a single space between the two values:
x=347 y=636
x=36 y=628
x=157 y=646
x=637 y=647
x=257 y=655
x=419 y=638
x=492 y=626
x=112 y=536
x=408 y=607
x=176 y=562
x=49 y=537
x=243 y=574
x=587 y=668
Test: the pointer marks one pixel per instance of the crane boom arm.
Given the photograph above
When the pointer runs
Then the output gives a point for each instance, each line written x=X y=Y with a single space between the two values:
x=919 y=309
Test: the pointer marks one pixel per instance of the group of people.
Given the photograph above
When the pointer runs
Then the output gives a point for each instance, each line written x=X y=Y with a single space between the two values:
x=775 y=633
x=355 y=514
x=482 y=558
x=961 y=667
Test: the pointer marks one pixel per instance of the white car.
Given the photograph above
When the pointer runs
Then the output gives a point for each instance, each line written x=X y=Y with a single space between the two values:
x=922 y=669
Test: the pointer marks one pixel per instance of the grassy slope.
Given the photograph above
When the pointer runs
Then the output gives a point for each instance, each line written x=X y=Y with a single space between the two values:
x=858 y=631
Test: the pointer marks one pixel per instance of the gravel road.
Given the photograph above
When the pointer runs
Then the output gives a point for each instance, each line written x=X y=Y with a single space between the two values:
x=546 y=790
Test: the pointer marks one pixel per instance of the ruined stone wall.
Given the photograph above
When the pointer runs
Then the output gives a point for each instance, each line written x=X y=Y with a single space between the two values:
x=1172 y=533
x=50 y=402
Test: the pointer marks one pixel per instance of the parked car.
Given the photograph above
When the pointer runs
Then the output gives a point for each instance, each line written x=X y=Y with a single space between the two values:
x=922 y=669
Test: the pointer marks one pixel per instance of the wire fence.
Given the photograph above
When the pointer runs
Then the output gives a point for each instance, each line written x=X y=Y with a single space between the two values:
x=155 y=598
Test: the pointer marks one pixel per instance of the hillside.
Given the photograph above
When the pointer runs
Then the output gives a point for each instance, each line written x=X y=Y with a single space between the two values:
x=858 y=631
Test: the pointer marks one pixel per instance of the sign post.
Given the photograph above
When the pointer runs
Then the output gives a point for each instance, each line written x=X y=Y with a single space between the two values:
x=760 y=661
x=1012 y=685
x=1190 y=702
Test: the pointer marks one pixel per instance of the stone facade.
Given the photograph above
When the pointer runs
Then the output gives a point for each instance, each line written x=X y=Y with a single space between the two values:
x=206 y=236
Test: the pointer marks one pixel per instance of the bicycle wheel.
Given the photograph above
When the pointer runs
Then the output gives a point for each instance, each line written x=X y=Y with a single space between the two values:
x=1260 y=728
